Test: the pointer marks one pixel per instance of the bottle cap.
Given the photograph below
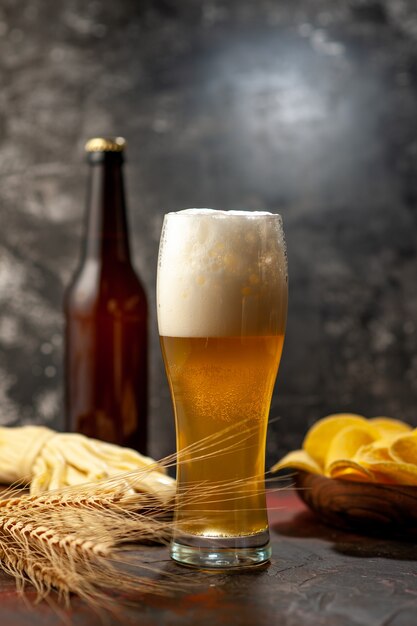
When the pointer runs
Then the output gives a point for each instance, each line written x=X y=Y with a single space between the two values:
x=105 y=144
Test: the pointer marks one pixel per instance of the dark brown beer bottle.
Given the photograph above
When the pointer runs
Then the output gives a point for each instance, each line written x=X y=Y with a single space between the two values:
x=106 y=316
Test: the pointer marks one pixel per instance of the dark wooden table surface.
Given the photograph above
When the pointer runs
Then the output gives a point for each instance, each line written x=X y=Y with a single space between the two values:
x=318 y=576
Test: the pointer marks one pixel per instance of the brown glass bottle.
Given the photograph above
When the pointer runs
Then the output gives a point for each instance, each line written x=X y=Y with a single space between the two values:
x=106 y=316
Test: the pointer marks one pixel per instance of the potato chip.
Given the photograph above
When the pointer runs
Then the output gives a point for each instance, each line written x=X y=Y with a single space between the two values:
x=342 y=466
x=389 y=427
x=320 y=435
x=347 y=442
x=404 y=449
x=374 y=452
x=351 y=471
x=298 y=459
x=393 y=472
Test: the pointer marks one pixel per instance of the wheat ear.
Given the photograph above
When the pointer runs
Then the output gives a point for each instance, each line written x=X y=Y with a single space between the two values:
x=71 y=539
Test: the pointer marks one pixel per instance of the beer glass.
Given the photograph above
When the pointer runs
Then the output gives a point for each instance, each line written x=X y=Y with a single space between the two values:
x=222 y=303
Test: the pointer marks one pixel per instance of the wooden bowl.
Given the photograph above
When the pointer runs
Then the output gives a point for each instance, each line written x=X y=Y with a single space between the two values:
x=368 y=508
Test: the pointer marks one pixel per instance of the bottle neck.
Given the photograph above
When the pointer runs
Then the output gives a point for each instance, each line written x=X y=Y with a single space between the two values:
x=107 y=237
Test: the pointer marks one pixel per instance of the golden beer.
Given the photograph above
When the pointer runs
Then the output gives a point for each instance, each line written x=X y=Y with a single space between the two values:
x=222 y=302
x=222 y=385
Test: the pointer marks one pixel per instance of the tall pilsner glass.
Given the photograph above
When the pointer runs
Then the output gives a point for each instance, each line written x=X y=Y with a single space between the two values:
x=222 y=303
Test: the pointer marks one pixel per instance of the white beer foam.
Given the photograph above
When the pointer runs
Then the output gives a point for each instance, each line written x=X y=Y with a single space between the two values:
x=221 y=273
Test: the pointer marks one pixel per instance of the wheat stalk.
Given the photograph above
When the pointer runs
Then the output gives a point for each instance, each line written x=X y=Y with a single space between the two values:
x=75 y=548
x=71 y=540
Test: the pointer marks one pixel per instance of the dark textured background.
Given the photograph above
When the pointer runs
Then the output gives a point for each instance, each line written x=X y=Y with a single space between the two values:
x=306 y=107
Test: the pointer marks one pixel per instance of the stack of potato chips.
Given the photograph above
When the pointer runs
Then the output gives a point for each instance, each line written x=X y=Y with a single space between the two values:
x=351 y=447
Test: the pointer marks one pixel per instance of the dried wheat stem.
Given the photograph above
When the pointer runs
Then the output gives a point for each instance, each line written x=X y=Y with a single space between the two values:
x=69 y=540
x=43 y=577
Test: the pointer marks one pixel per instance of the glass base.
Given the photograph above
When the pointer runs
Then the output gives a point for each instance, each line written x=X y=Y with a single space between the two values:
x=220 y=552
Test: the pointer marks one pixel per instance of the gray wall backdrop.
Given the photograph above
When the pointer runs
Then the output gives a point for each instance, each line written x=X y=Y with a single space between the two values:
x=306 y=107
